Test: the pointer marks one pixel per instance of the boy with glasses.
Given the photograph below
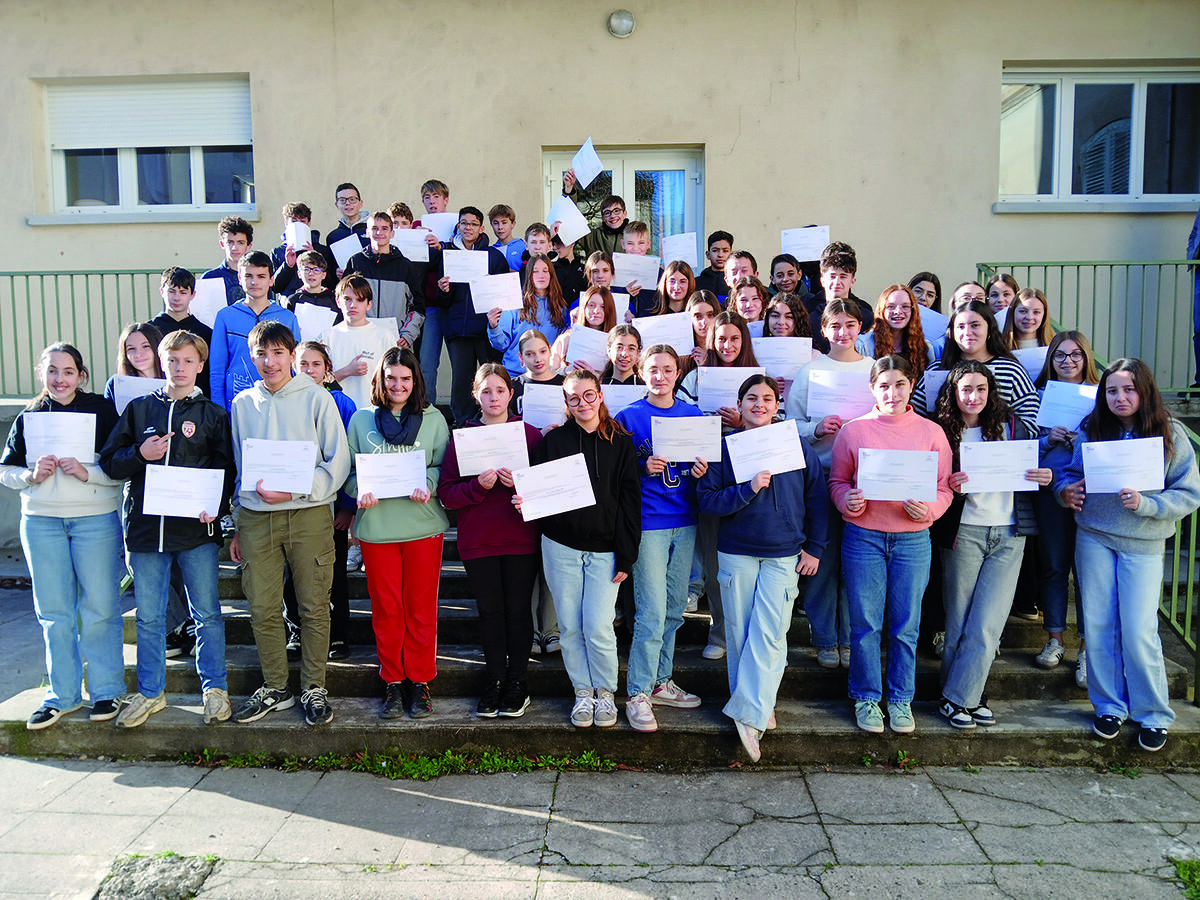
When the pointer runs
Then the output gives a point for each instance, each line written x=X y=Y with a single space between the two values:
x=353 y=218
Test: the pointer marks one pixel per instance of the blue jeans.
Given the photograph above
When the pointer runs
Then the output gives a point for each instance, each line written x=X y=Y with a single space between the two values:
x=1055 y=560
x=151 y=577
x=584 y=594
x=826 y=601
x=758 y=593
x=75 y=564
x=1126 y=674
x=660 y=589
x=431 y=349
x=704 y=579
x=885 y=573
x=979 y=576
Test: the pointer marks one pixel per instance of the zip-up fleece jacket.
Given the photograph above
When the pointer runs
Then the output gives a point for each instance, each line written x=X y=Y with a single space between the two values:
x=461 y=318
x=61 y=495
x=301 y=410
x=232 y=369
x=396 y=284
x=201 y=440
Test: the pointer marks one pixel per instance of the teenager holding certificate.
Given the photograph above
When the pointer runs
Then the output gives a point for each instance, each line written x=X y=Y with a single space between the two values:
x=897 y=329
x=401 y=537
x=772 y=527
x=1069 y=360
x=663 y=567
x=675 y=286
x=826 y=602
x=703 y=307
x=542 y=308
x=592 y=549
x=72 y=540
x=499 y=550
x=886 y=549
x=624 y=351
x=1119 y=553
x=596 y=310
x=982 y=541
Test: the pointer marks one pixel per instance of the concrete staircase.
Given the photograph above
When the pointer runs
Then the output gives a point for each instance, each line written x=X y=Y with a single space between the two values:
x=1044 y=719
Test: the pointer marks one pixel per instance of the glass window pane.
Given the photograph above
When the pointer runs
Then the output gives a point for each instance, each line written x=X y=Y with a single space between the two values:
x=589 y=200
x=164 y=175
x=228 y=175
x=658 y=201
x=1100 y=149
x=91 y=177
x=1027 y=138
x=1172 y=139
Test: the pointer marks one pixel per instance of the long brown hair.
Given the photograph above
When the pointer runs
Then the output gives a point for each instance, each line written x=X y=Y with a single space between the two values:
x=151 y=334
x=803 y=325
x=1152 y=417
x=1045 y=331
x=554 y=295
x=662 y=304
x=610 y=308
x=746 y=356
x=913 y=345
x=608 y=428
x=1049 y=373
x=44 y=358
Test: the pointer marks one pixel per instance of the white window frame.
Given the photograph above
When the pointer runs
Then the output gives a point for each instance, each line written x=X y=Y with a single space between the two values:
x=1061 y=198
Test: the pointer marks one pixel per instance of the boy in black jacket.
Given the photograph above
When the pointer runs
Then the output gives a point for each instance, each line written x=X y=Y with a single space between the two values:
x=174 y=428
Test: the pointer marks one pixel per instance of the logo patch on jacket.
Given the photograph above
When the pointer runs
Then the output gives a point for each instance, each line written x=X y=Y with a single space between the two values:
x=188 y=429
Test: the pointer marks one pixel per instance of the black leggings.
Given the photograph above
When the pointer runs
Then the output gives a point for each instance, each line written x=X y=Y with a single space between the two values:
x=503 y=586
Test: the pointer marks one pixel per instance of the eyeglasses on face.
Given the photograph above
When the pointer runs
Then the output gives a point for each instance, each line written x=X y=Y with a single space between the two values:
x=1073 y=356
x=589 y=397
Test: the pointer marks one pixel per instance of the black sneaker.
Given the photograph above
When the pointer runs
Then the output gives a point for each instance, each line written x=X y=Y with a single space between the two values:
x=317 y=710
x=263 y=701
x=103 y=710
x=1107 y=727
x=293 y=645
x=1152 y=739
x=515 y=700
x=420 y=707
x=46 y=716
x=182 y=640
x=395 y=700
x=489 y=703
x=956 y=715
x=339 y=650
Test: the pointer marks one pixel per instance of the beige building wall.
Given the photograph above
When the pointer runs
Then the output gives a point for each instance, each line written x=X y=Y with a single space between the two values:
x=879 y=118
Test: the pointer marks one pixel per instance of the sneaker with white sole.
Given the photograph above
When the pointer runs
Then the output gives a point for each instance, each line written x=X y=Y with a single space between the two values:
x=140 y=708
x=1106 y=727
x=1051 y=655
x=868 y=716
x=640 y=713
x=749 y=736
x=46 y=716
x=103 y=710
x=900 y=718
x=828 y=658
x=583 y=713
x=670 y=694
x=844 y=657
x=551 y=643
x=713 y=651
x=315 y=702
x=263 y=701
x=772 y=724
x=1081 y=670
x=956 y=715
x=605 y=715
x=982 y=714
x=1152 y=739
x=693 y=603
x=354 y=558
x=216 y=706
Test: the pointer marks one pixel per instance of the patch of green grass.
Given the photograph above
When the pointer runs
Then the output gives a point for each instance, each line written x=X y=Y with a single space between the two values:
x=905 y=761
x=1187 y=871
x=329 y=761
x=166 y=854
x=1130 y=772
x=248 y=761
x=971 y=770
x=866 y=760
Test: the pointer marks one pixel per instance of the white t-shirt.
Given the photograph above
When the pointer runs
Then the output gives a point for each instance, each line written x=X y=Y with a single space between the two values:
x=989 y=507
x=346 y=342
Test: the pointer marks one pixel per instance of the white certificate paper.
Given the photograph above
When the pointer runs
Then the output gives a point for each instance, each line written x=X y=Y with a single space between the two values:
x=1065 y=404
x=897 y=474
x=586 y=164
x=629 y=267
x=542 y=405
x=672 y=329
x=66 y=435
x=587 y=345
x=297 y=235
x=782 y=357
x=441 y=224
x=839 y=393
x=806 y=244
x=182 y=492
x=500 y=446
x=572 y=225
x=493 y=291
x=997 y=465
x=463 y=266
x=314 y=320
x=934 y=379
x=345 y=248
x=619 y=396
x=130 y=387
x=209 y=300
x=390 y=474
x=411 y=243
x=718 y=386
x=280 y=465
x=681 y=247
x=1110 y=467
x=1031 y=359
x=558 y=486
x=683 y=438
x=773 y=448
x=933 y=324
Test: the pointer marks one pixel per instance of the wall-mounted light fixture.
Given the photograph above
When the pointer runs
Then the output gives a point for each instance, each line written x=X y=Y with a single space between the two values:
x=621 y=23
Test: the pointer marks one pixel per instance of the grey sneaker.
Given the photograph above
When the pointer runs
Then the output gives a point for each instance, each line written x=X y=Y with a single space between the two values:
x=1081 y=670
x=828 y=658
x=317 y=710
x=939 y=644
x=584 y=711
x=605 y=715
x=900 y=718
x=216 y=705
x=1051 y=655
x=263 y=701
x=868 y=716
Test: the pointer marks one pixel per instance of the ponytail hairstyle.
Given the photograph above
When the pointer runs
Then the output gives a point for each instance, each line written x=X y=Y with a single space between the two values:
x=43 y=361
x=1153 y=419
x=151 y=334
x=936 y=306
x=318 y=347
x=655 y=350
x=709 y=299
x=913 y=346
x=991 y=419
x=1045 y=331
x=1049 y=373
x=578 y=319
x=529 y=335
x=662 y=303
x=608 y=427
x=892 y=363
x=622 y=330
x=993 y=346
x=746 y=356
x=755 y=380
x=554 y=295
x=840 y=306
x=802 y=324
x=488 y=369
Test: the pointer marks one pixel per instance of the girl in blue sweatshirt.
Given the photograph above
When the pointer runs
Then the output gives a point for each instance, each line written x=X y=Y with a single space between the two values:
x=1119 y=553
x=542 y=308
x=772 y=527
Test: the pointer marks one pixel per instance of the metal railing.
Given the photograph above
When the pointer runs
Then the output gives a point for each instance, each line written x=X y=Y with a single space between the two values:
x=1177 y=606
x=1137 y=308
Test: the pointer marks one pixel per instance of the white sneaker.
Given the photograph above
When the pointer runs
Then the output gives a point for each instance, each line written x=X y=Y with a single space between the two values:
x=693 y=603
x=1051 y=654
x=712 y=651
x=670 y=694
x=605 y=715
x=1081 y=670
x=640 y=713
x=216 y=706
x=584 y=711
x=828 y=658
x=354 y=558
x=140 y=708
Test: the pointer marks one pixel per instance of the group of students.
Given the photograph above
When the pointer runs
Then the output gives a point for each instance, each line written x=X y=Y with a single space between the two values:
x=676 y=530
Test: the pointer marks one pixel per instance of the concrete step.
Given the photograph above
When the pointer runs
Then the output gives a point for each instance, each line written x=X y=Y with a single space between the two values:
x=461 y=674
x=1028 y=733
